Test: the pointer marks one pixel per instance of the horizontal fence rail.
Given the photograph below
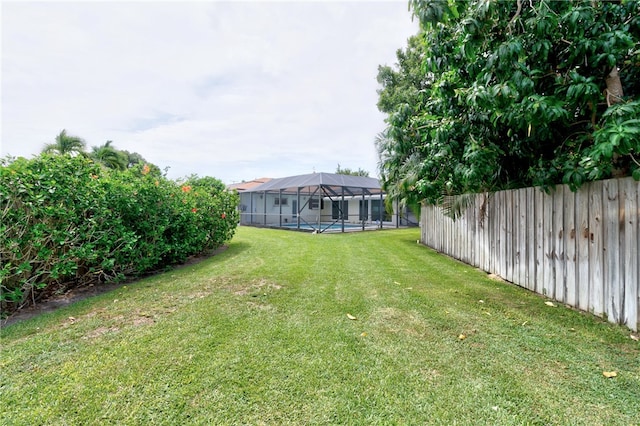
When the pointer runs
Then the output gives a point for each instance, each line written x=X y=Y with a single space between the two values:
x=580 y=248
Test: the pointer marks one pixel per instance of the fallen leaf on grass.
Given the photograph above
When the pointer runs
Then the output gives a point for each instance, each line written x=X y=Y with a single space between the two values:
x=550 y=304
x=363 y=334
x=634 y=337
x=609 y=374
x=462 y=337
x=351 y=317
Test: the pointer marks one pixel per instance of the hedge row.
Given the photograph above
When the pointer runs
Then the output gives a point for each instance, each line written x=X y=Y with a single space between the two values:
x=67 y=222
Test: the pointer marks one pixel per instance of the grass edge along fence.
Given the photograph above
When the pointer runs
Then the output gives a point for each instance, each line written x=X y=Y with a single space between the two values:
x=580 y=248
x=66 y=222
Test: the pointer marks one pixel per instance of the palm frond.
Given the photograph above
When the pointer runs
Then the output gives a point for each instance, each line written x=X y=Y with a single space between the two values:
x=454 y=206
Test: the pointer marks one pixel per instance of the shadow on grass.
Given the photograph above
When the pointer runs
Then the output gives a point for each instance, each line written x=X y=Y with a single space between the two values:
x=82 y=293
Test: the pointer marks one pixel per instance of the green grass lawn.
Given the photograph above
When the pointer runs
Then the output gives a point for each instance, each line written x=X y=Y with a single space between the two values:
x=259 y=334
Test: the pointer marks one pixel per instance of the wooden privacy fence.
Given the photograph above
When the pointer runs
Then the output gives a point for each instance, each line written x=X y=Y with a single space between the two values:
x=579 y=248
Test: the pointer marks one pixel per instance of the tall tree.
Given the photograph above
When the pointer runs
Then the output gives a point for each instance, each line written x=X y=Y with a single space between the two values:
x=65 y=144
x=133 y=158
x=509 y=94
x=346 y=171
x=401 y=96
x=109 y=156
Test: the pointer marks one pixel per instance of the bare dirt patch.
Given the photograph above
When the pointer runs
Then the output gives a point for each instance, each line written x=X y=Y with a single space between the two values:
x=396 y=321
x=254 y=287
x=143 y=320
x=100 y=331
x=136 y=319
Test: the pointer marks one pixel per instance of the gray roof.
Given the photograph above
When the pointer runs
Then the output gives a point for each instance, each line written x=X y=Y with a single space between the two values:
x=353 y=184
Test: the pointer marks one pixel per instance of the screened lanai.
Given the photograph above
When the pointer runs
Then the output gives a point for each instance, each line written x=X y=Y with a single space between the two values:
x=317 y=202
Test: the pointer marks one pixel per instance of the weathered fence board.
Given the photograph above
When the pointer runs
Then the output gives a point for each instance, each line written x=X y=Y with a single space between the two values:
x=494 y=233
x=507 y=208
x=502 y=241
x=549 y=252
x=582 y=242
x=571 y=291
x=612 y=239
x=631 y=274
x=530 y=240
x=596 y=250
x=580 y=248
x=540 y=240
x=558 y=243
x=520 y=228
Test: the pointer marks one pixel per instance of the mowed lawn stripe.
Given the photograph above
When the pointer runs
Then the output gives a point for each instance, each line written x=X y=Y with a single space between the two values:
x=293 y=328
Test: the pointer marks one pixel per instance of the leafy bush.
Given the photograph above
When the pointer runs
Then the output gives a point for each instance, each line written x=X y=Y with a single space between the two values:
x=66 y=222
x=505 y=94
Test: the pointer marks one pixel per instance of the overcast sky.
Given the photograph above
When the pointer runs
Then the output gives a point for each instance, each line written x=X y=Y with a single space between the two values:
x=234 y=90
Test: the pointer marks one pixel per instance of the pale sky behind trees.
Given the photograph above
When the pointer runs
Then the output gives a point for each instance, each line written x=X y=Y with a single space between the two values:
x=234 y=90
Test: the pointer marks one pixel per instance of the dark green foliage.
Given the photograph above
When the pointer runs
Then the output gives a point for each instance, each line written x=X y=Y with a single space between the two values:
x=133 y=158
x=346 y=171
x=66 y=221
x=495 y=95
x=109 y=156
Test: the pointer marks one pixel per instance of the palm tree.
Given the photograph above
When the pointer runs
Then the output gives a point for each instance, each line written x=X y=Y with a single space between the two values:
x=109 y=156
x=65 y=144
x=400 y=167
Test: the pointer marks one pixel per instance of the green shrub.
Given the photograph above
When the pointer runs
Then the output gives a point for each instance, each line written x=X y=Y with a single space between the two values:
x=67 y=222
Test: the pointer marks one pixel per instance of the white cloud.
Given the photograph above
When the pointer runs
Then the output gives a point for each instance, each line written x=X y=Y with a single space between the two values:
x=235 y=90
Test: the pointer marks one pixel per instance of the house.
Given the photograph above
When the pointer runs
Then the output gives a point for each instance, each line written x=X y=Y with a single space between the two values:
x=319 y=202
x=244 y=186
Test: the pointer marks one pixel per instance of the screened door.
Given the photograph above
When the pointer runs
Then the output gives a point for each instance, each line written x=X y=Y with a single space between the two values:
x=378 y=211
x=364 y=209
x=338 y=213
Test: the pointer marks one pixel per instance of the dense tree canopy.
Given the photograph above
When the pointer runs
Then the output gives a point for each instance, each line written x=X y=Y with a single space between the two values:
x=109 y=156
x=106 y=155
x=494 y=95
x=347 y=171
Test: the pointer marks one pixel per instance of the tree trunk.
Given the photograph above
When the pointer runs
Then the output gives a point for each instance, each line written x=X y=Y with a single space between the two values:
x=614 y=96
x=614 y=87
